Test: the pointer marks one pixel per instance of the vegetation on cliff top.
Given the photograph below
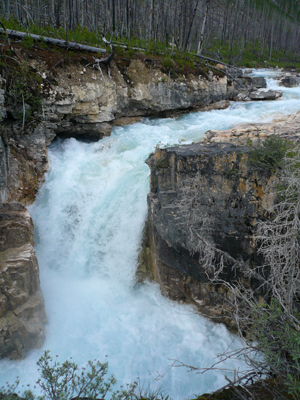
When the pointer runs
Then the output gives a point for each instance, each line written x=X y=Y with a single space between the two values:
x=243 y=32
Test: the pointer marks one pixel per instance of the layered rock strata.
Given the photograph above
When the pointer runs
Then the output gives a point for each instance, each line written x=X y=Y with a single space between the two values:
x=232 y=199
x=90 y=102
x=22 y=312
x=87 y=102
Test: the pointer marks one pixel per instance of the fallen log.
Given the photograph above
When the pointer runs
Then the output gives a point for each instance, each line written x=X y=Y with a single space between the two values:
x=215 y=61
x=123 y=45
x=56 y=42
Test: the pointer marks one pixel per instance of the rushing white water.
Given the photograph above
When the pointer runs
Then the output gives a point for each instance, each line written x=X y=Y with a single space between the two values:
x=88 y=218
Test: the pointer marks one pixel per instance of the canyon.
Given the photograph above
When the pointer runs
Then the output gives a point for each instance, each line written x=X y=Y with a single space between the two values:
x=87 y=102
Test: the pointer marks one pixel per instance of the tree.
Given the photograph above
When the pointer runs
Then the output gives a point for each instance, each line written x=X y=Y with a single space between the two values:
x=202 y=31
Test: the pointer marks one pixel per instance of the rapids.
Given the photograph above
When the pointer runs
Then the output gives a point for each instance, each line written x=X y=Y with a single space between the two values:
x=88 y=218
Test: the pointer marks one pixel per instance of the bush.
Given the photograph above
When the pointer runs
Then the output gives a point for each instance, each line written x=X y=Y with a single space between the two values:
x=66 y=381
x=276 y=335
x=168 y=63
x=267 y=157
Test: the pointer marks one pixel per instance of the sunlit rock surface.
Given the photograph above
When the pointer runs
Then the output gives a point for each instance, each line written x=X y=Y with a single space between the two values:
x=287 y=127
x=265 y=94
x=22 y=313
x=90 y=102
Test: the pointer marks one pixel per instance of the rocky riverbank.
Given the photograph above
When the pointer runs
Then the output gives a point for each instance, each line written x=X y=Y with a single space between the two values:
x=287 y=127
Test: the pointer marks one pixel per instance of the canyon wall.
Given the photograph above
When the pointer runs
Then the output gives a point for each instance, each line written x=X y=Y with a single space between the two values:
x=210 y=181
x=22 y=312
x=81 y=101
x=228 y=196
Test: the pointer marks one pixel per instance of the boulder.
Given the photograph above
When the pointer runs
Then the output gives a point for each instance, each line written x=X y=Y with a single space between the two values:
x=290 y=81
x=259 y=82
x=265 y=94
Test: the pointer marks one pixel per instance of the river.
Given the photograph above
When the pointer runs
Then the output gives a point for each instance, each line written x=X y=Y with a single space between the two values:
x=88 y=218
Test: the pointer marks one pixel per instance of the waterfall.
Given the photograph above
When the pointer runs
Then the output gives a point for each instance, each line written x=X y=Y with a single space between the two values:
x=88 y=218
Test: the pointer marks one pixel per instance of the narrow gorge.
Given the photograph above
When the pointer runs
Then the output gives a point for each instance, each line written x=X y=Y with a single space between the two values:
x=90 y=212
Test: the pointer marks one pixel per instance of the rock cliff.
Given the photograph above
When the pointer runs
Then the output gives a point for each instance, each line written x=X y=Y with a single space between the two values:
x=214 y=176
x=228 y=195
x=90 y=102
x=22 y=313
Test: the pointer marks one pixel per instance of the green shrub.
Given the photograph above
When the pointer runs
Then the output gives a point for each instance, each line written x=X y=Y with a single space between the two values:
x=168 y=63
x=27 y=42
x=277 y=337
x=65 y=381
x=267 y=156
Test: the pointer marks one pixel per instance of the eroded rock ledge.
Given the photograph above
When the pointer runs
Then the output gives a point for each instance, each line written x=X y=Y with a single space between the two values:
x=87 y=103
x=22 y=312
x=233 y=197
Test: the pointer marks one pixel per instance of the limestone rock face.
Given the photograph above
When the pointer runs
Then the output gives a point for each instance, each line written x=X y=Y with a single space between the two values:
x=22 y=313
x=90 y=102
x=233 y=198
x=24 y=161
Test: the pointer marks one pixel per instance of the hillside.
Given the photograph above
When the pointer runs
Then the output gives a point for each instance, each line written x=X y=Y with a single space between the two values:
x=245 y=32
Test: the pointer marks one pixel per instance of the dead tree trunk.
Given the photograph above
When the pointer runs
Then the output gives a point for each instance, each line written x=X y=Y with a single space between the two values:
x=200 y=44
x=56 y=42
x=191 y=25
